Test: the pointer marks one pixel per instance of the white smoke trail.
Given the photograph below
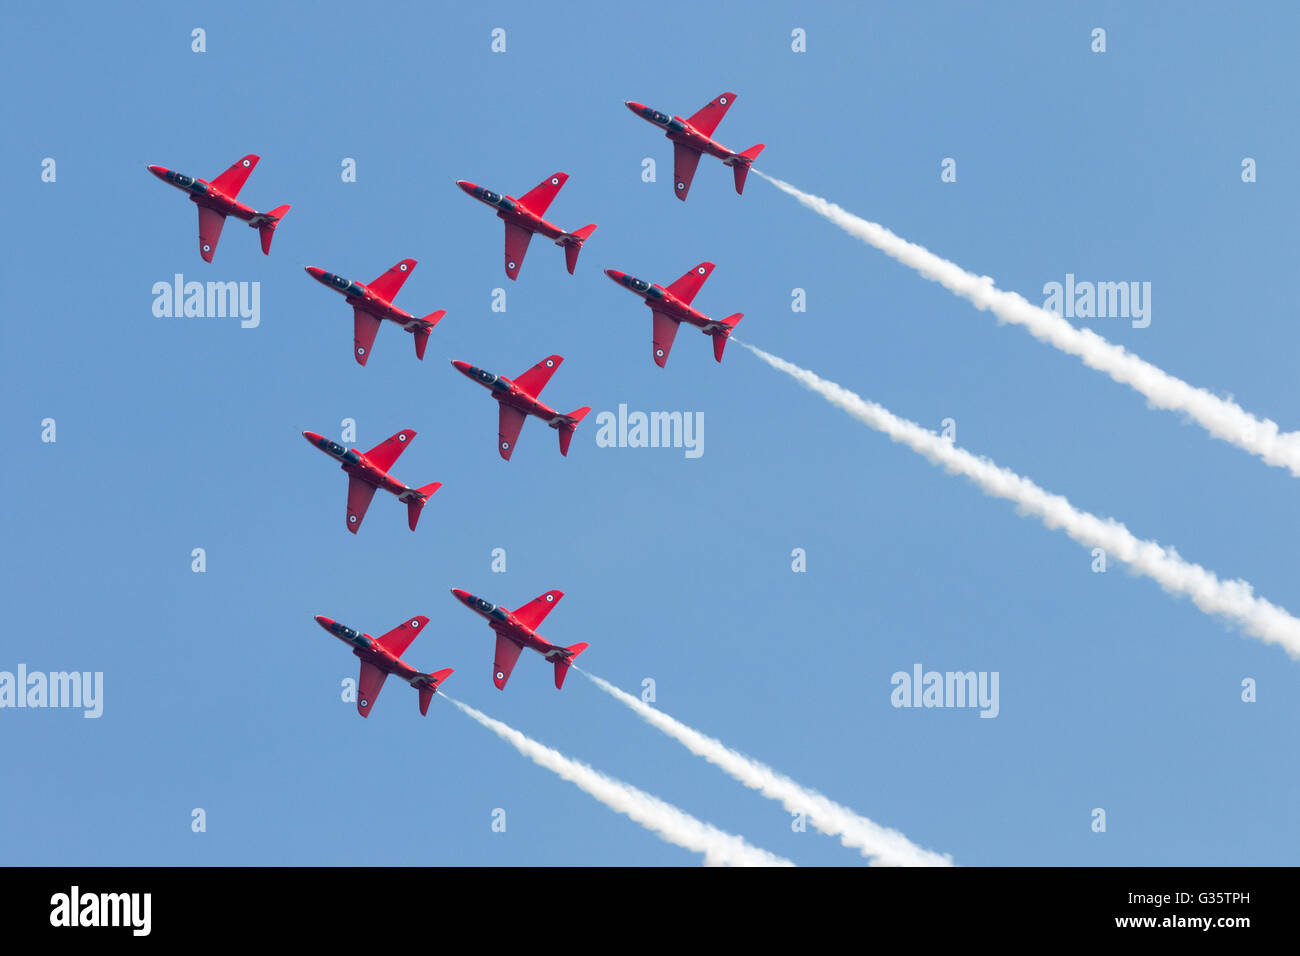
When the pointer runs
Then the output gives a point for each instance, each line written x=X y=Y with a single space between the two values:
x=1220 y=417
x=884 y=846
x=1235 y=600
x=665 y=820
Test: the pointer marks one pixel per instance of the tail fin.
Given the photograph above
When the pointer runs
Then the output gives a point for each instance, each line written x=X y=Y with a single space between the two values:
x=416 y=504
x=562 y=666
x=567 y=429
x=421 y=332
x=740 y=169
x=427 y=690
x=720 y=336
x=266 y=228
x=572 y=243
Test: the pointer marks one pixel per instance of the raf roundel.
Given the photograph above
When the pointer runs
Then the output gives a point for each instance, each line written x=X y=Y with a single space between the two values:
x=352 y=519
x=701 y=270
x=415 y=624
x=247 y=163
x=510 y=265
x=550 y=363
x=402 y=436
x=207 y=248
x=550 y=597
x=555 y=181
x=364 y=702
x=402 y=267
x=361 y=350
x=659 y=352
x=500 y=676
x=722 y=101
x=505 y=445
x=681 y=185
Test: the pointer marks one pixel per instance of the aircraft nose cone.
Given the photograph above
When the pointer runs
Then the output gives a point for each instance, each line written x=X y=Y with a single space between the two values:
x=466 y=185
x=315 y=273
x=159 y=171
x=633 y=105
x=311 y=437
x=462 y=367
x=323 y=621
x=460 y=595
x=615 y=274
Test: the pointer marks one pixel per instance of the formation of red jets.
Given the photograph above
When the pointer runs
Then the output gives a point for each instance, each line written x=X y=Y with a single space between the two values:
x=517 y=398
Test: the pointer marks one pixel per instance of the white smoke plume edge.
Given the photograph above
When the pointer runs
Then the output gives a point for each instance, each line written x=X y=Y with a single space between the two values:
x=663 y=819
x=1222 y=418
x=883 y=846
x=1234 y=600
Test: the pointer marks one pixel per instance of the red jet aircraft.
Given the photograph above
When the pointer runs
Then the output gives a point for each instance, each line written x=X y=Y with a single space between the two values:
x=382 y=657
x=216 y=200
x=523 y=217
x=518 y=399
x=373 y=303
x=516 y=630
x=368 y=472
x=671 y=306
x=693 y=137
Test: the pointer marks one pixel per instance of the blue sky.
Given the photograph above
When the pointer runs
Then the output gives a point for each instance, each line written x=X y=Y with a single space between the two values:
x=221 y=693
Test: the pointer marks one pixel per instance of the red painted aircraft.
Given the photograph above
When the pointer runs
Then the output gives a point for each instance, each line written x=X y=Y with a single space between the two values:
x=369 y=471
x=216 y=200
x=517 y=629
x=671 y=306
x=373 y=303
x=523 y=217
x=383 y=656
x=518 y=399
x=693 y=137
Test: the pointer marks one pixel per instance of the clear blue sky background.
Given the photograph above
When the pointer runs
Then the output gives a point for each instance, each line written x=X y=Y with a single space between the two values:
x=220 y=691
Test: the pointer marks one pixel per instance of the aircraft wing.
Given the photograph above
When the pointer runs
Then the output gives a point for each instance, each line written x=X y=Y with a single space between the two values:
x=512 y=421
x=507 y=654
x=399 y=638
x=364 y=329
x=369 y=684
x=662 y=334
x=535 y=379
x=685 y=160
x=708 y=118
x=539 y=199
x=389 y=450
x=210 y=223
x=360 y=494
x=232 y=180
x=688 y=286
x=534 y=612
x=517 y=238
x=390 y=283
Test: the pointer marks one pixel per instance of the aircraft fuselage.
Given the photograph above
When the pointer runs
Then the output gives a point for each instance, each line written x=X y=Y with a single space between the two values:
x=513 y=211
x=508 y=393
x=204 y=193
x=370 y=650
x=661 y=300
x=681 y=131
x=356 y=464
x=361 y=297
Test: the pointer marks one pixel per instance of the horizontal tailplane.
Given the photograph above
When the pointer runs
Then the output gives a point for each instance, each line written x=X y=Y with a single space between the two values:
x=572 y=242
x=720 y=335
x=421 y=332
x=415 y=504
x=562 y=666
x=566 y=429
x=740 y=167
x=266 y=227
x=427 y=688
